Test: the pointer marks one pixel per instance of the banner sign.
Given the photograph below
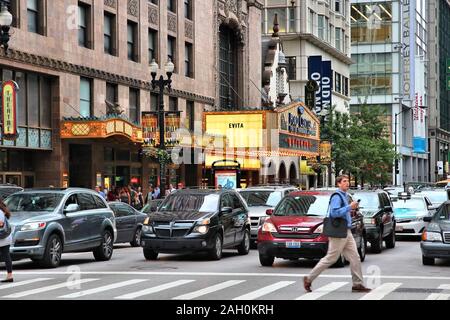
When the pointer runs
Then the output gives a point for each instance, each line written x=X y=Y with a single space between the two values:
x=325 y=152
x=150 y=129
x=320 y=72
x=9 y=110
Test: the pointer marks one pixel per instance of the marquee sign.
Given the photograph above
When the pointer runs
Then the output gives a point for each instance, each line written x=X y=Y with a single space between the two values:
x=9 y=110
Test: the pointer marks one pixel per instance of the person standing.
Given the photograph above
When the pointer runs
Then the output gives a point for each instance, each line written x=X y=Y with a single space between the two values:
x=6 y=243
x=339 y=208
x=98 y=189
x=124 y=196
x=156 y=193
x=149 y=194
x=140 y=196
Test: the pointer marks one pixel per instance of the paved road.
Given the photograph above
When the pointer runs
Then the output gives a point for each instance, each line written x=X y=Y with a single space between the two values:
x=396 y=274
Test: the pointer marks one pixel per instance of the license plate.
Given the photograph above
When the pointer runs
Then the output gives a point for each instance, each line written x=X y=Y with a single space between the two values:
x=293 y=245
x=398 y=228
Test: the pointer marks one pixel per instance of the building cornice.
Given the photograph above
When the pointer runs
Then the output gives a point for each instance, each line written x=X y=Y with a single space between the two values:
x=66 y=67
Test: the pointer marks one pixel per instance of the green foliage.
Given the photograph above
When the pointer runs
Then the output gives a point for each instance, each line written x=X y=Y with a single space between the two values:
x=360 y=144
x=163 y=156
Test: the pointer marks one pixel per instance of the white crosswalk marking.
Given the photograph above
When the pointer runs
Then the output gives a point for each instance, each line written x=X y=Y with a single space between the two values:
x=22 y=283
x=202 y=292
x=382 y=291
x=154 y=289
x=49 y=288
x=444 y=287
x=440 y=296
x=102 y=289
x=320 y=292
x=263 y=291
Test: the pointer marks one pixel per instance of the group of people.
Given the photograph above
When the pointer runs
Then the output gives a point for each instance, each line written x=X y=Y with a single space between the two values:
x=154 y=193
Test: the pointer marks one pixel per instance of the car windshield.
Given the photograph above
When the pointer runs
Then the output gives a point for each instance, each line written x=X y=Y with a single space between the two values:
x=436 y=197
x=412 y=204
x=443 y=214
x=191 y=202
x=305 y=205
x=33 y=202
x=368 y=200
x=262 y=198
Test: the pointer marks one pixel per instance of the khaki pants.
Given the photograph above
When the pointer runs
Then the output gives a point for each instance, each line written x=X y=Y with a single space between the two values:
x=336 y=247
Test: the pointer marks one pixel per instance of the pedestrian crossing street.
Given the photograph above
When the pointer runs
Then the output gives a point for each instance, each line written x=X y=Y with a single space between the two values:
x=52 y=288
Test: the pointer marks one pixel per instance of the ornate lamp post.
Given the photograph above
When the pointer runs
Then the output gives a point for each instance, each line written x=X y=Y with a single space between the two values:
x=6 y=19
x=161 y=83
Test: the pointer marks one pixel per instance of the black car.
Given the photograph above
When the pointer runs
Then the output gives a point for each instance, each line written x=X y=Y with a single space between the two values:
x=129 y=223
x=152 y=206
x=8 y=189
x=436 y=237
x=198 y=221
x=379 y=219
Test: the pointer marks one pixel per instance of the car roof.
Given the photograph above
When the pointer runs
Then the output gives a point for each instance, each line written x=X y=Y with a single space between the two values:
x=202 y=191
x=312 y=193
x=368 y=191
x=58 y=190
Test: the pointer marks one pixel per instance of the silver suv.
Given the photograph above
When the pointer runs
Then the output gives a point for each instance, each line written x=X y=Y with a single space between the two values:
x=49 y=222
x=261 y=198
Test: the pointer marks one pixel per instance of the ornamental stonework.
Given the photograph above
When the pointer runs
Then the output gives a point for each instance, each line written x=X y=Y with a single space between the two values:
x=133 y=8
x=111 y=3
x=153 y=16
x=172 y=22
x=189 y=30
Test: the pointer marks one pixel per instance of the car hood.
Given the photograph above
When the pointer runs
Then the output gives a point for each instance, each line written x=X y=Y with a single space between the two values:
x=305 y=222
x=443 y=226
x=258 y=211
x=406 y=213
x=18 y=218
x=368 y=213
x=169 y=216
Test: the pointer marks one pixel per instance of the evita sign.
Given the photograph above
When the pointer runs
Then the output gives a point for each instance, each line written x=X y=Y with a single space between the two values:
x=9 y=110
x=320 y=71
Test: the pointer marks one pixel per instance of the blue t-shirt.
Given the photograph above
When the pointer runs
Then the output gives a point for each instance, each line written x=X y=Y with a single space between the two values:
x=339 y=211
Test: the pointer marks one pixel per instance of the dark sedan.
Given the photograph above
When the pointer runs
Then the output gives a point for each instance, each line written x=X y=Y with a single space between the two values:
x=129 y=223
x=436 y=238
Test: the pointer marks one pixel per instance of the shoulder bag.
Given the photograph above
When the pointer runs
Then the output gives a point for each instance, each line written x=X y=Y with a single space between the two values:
x=335 y=227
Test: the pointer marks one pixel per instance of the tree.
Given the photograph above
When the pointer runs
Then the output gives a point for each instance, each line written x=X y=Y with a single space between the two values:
x=360 y=144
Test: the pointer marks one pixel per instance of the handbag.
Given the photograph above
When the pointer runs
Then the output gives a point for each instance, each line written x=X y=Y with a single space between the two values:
x=335 y=227
x=5 y=231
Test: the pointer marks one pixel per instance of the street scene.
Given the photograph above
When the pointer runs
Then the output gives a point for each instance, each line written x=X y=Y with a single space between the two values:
x=224 y=150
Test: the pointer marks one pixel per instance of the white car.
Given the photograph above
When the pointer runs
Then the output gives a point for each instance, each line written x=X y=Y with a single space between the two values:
x=259 y=199
x=409 y=215
x=436 y=196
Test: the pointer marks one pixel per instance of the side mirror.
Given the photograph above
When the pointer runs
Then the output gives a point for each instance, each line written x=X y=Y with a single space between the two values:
x=269 y=212
x=226 y=210
x=432 y=207
x=427 y=219
x=73 y=207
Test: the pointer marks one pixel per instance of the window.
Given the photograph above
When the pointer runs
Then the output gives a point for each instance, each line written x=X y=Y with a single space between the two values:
x=100 y=204
x=111 y=92
x=152 y=45
x=282 y=19
x=188 y=9
x=109 y=34
x=228 y=56
x=134 y=105
x=237 y=204
x=153 y=102
x=86 y=202
x=371 y=23
x=13 y=7
x=337 y=82
x=173 y=104
x=346 y=93
x=33 y=15
x=45 y=103
x=190 y=115
x=172 y=5
x=292 y=22
x=321 y=26
x=311 y=22
x=85 y=97
x=338 y=39
x=292 y=68
x=337 y=6
x=83 y=25
x=188 y=61
x=132 y=41
x=33 y=100
x=171 y=50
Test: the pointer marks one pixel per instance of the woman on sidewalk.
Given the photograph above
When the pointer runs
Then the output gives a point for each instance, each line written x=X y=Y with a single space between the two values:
x=6 y=243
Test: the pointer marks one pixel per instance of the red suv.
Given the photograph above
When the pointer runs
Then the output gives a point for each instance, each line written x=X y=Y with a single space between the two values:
x=294 y=229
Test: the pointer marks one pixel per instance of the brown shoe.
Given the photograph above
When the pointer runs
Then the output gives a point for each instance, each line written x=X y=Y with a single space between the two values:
x=307 y=284
x=360 y=288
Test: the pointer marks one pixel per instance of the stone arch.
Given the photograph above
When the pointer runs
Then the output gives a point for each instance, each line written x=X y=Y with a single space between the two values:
x=282 y=173
x=293 y=177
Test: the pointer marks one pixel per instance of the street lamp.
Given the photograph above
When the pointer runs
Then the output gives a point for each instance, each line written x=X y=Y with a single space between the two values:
x=161 y=83
x=6 y=19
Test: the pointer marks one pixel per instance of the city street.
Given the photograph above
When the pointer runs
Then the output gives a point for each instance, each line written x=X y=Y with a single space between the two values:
x=129 y=276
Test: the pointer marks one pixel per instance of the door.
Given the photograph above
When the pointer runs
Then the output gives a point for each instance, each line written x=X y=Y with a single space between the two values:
x=80 y=163
x=125 y=222
x=94 y=215
x=240 y=216
x=75 y=225
x=227 y=220
x=387 y=218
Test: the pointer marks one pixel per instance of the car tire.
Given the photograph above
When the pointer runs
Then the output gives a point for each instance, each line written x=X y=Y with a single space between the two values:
x=136 y=242
x=427 y=261
x=105 y=250
x=377 y=245
x=340 y=263
x=266 y=261
x=244 y=247
x=216 y=252
x=53 y=252
x=363 y=248
x=150 y=254
x=390 y=240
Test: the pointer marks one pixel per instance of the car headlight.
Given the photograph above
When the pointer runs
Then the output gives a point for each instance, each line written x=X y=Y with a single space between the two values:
x=369 y=221
x=319 y=229
x=268 y=227
x=33 y=226
x=204 y=222
x=431 y=236
x=201 y=229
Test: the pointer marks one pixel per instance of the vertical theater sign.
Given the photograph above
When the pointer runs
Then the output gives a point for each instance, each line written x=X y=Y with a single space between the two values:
x=9 y=110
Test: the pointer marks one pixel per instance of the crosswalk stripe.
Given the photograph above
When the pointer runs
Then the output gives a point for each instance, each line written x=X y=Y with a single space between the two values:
x=22 y=283
x=263 y=291
x=148 y=291
x=382 y=291
x=202 y=292
x=440 y=296
x=102 y=289
x=320 y=292
x=444 y=287
x=49 y=288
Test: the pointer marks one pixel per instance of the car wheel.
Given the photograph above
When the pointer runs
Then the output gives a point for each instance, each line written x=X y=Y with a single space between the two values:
x=266 y=261
x=377 y=245
x=244 y=247
x=136 y=242
x=427 y=261
x=216 y=252
x=363 y=248
x=150 y=254
x=53 y=252
x=105 y=250
x=390 y=240
x=340 y=263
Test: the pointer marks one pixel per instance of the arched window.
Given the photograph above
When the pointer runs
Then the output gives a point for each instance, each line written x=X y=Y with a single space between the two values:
x=228 y=68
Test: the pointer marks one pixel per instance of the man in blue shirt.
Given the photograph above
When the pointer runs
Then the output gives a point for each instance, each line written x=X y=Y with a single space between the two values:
x=339 y=208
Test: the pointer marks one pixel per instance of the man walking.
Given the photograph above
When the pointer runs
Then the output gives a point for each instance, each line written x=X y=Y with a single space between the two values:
x=340 y=246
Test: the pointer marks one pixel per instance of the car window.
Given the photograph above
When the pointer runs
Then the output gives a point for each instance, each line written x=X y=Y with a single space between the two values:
x=33 y=202
x=443 y=213
x=99 y=202
x=86 y=201
x=130 y=211
x=237 y=204
x=226 y=201
x=71 y=200
x=120 y=210
x=304 y=205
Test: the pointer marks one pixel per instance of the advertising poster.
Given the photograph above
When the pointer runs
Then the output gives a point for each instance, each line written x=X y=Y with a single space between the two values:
x=226 y=179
